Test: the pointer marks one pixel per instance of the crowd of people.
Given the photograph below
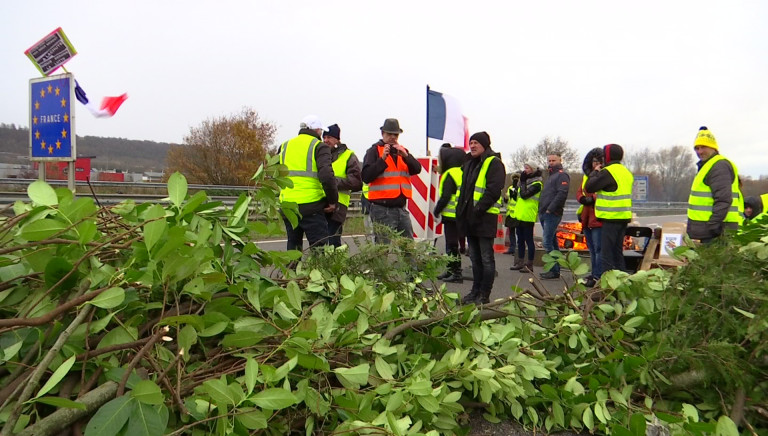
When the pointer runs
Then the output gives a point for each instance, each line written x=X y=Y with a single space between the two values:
x=471 y=194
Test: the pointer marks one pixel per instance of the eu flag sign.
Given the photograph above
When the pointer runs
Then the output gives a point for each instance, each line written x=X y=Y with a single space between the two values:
x=51 y=118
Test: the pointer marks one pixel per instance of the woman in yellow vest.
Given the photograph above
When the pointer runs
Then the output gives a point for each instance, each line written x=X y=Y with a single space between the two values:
x=527 y=213
x=346 y=169
x=477 y=213
x=451 y=160
x=510 y=222
x=612 y=185
x=715 y=200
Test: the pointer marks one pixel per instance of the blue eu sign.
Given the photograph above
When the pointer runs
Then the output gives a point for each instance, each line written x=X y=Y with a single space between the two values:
x=51 y=132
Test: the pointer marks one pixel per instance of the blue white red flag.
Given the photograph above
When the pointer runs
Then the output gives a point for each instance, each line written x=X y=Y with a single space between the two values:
x=108 y=107
x=445 y=120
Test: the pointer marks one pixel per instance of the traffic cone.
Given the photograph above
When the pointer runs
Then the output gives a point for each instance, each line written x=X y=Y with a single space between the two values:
x=498 y=241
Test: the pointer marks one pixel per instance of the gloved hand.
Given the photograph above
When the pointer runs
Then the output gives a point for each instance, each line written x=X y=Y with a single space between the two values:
x=586 y=200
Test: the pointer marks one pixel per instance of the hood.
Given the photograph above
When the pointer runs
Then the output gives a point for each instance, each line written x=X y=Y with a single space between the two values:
x=613 y=153
x=450 y=157
x=596 y=152
x=756 y=204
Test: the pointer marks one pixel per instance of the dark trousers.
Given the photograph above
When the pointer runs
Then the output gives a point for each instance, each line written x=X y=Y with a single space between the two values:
x=549 y=223
x=396 y=218
x=335 y=230
x=483 y=262
x=612 y=250
x=512 y=232
x=451 y=233
x=595 y=243
x=315 y=226
x=525 y=238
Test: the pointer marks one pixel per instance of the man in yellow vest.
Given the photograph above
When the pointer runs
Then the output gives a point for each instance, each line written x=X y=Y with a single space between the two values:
x=715 y=200
x=510 y=222
x=477 y=213
x=451 y=160
x=387 y=168
x=612 y=185
x=346 y=168
x=314 y=187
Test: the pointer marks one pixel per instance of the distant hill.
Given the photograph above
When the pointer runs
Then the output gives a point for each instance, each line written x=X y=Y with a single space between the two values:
x=111 y=153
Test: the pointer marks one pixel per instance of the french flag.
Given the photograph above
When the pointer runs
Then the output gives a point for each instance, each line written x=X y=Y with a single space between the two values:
x=445 y=120
x=109 y=105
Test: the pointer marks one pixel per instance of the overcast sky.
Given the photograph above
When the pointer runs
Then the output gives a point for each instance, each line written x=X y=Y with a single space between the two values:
x=640 y=74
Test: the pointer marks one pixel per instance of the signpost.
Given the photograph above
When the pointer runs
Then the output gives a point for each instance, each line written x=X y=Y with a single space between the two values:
x=51 y=52
x=640 y=189
x=52 y=122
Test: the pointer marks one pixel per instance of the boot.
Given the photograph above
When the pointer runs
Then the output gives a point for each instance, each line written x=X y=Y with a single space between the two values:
x=518 y=265
x=454 y=277
x=471 y=298
x=484 y=297
x=444 y=275
x=529 y=267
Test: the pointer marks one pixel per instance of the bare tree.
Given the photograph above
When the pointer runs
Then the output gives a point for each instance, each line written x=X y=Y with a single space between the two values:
x=223 y=151
x=675 y=167
x=538 y=154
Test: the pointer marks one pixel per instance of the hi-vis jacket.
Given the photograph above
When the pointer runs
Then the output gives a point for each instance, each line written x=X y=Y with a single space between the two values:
x=701 y=201
x=616 y=205
x=455 y=175
x=298 y=154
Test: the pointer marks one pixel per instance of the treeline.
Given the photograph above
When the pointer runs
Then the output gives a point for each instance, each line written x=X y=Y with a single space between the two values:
x=110 y=153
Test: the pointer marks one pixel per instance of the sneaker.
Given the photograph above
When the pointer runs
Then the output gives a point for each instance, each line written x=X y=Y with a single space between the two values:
x=590 y=282
x=549 y=275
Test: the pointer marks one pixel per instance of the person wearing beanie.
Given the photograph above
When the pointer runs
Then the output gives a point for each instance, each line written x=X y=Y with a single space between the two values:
x=387 y=169
x=314 y=189
x=551 y=206
x=527 y=213
x=451 y=159
x=477 y=212
x=346 y=169
x=714 y=203
x=611 y=183
x=590 y=225
x=510 y=222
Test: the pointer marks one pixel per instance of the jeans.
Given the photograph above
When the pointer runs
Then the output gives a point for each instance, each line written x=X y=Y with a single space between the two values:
x=396 y=218
x=525 y=237
x=613 y=245
x=315 y=226
x=483 y=262
x=594 y=244
x=512 y=231
x=549 y=223
x=335 y=229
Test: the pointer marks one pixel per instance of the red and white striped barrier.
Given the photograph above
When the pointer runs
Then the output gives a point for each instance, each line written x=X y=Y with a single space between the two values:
x=420 y=206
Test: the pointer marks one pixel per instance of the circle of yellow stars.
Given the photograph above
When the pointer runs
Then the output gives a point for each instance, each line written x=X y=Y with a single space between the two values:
x=56 y=93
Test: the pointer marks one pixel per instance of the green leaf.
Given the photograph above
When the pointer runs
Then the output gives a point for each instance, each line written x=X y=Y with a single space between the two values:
x=353 y=378
x=155 y=225
x=726 y=427
x=219 y=392
x=110 y=418
x=744 y=312
x=251 y=374
x=10 y=352
x=274 y=399
x=146 y=420
x=42 y=193
x=42 y=229
x=558 y=414
x=383 y=368
x=429 y=403
x=110 y=298
x=177 y=188
x=57 y=376
x=588 y=418
x=637 y=424
x=635 y=321
x=690 y=412
x=148 y=392
x=252 y=418
x=59 y=402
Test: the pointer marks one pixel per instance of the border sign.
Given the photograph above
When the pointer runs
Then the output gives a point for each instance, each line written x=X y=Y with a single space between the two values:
x=640 y=189
x=51 y=52
x=51 y=118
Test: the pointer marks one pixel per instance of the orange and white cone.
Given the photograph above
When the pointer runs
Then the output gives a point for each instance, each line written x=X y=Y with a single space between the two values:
x=499 y=245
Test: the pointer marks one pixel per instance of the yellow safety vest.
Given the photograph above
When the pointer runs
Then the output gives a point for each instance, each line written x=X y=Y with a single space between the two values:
x=527 y=209
x=480 y=187
x=455 y=173
x=583 y=183
x=298 y=154
x=365 y=190
x=700 y=201
x=511 y=203
x=616 y=205
x=340 y=171
x=764 y=198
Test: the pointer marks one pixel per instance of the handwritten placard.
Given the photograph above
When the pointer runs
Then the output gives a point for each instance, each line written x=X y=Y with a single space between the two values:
x=51 y=52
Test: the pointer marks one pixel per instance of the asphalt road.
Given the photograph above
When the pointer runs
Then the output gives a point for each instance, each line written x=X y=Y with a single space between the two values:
x=507 y=282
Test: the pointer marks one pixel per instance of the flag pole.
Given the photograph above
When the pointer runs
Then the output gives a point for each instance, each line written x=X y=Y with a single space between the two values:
x=426 y=138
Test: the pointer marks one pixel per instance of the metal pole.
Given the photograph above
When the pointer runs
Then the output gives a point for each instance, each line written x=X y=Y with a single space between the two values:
x=426 y=141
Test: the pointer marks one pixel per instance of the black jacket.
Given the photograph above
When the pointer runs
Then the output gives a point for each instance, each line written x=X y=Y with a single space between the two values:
x=352 y=183
x=324 y=174
x=527 y=188
x=555 y=191
x=373 y=166
x=474 y=218
x=719 y=179
x=450 y=157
